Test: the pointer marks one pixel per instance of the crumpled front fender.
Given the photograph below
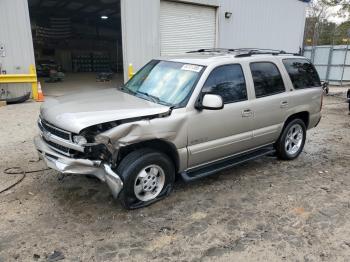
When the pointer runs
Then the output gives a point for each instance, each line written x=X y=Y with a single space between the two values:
x=171 y=129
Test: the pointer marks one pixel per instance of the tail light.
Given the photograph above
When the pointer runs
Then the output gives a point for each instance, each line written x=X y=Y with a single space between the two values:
x=321 y=101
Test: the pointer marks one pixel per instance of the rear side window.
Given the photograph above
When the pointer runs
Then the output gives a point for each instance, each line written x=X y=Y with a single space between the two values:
x=228 y=82
x=267 y=79
x=302 y=73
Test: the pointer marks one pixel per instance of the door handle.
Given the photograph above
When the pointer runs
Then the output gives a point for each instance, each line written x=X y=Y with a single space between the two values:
x=247 y=113
x=284 y=104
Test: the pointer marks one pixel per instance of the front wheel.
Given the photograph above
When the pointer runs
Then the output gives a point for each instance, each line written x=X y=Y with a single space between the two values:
x=292 y=140
x=148 y=176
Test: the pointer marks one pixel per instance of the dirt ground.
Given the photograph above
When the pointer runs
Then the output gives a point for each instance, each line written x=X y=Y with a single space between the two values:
x=265 y=210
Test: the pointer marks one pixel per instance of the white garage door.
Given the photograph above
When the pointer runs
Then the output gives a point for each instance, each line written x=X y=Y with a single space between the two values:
x=186 y=27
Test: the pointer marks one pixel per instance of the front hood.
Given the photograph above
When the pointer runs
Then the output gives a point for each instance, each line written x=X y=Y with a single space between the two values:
x=80 y=110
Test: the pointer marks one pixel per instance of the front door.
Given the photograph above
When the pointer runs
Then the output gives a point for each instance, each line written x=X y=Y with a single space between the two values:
x=215 y=134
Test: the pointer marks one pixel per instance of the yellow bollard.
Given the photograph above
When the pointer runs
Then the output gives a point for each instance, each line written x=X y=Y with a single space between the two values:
x=130 y=71
x=32 y=71
x=35 y=90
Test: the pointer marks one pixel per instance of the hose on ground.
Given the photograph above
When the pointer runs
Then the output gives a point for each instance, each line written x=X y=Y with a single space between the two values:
x=17 y=171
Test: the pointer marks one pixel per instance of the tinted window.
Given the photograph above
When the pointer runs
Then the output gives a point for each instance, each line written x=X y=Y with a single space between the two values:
x=302 y=73
x=228 y=82
x=267 y=79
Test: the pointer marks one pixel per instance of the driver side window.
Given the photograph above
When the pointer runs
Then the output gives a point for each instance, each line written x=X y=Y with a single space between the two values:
x=228 y=82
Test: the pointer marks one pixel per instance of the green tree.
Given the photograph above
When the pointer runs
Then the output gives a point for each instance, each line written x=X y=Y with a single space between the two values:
x=342 y=35
x=317 y=26
x=319 y=30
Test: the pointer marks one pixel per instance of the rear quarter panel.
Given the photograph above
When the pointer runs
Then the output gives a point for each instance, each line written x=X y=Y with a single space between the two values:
x=308 y=100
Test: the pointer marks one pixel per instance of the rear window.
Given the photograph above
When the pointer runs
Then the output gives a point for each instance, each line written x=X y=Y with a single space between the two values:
x=267 y=79
x=302 y=73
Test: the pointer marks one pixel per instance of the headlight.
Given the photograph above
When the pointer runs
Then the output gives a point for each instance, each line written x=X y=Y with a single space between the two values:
x=79 y=140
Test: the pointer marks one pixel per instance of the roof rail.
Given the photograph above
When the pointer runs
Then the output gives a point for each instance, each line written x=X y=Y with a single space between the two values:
x=250 y=52
x=260 y=51
x=214 y=50
x=243 y=52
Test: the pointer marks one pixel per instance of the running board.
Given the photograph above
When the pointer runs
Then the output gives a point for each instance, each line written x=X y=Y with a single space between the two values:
x=210 y=169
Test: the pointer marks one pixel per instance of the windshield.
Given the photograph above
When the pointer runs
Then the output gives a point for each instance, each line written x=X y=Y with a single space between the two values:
x=164 y=82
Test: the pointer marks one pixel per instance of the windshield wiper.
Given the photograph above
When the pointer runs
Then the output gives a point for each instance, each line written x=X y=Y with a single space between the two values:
x=145 y=94
x=152 y=97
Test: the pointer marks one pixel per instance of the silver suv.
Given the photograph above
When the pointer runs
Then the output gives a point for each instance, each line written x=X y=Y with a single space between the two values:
x=192 y=116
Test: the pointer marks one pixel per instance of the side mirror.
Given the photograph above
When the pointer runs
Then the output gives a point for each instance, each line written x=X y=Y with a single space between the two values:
x=211 y=102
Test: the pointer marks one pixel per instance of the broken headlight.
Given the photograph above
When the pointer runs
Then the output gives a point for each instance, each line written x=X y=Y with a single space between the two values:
x=80 y=140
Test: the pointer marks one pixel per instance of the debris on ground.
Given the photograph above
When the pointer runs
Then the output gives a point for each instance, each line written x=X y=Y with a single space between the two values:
x=55 y=256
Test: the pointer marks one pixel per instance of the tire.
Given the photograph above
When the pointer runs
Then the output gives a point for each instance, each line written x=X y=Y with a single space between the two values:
x=148 y=177
x=287 y=146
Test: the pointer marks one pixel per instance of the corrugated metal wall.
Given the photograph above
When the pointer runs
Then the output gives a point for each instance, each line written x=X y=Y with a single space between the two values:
x=277 y=24
x=16 y=36
x=332 y=62
x=140 y=31
x=255 y=23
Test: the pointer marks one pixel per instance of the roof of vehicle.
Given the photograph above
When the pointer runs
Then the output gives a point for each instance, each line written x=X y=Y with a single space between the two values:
x=206 y=57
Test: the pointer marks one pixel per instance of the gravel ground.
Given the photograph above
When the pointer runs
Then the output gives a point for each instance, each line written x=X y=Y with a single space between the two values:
x=265 y=210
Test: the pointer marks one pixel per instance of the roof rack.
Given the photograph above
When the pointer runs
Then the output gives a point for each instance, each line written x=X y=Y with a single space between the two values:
x=259 y=51
x=244 y=52
x=212 y=50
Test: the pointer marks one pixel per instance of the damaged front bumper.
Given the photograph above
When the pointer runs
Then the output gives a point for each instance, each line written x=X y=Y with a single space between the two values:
x=67 y=165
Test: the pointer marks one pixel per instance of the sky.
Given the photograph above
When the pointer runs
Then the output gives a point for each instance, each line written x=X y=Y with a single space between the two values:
x=333 y=17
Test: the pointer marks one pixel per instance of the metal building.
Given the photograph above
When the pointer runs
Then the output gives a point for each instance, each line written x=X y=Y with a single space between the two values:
x=156 y=27
x=142 y=29
x=16 y=44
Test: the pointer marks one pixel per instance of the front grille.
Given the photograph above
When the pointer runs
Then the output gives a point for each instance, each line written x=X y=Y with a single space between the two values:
x=54 y=130
x=56 y=138
x=58 y=147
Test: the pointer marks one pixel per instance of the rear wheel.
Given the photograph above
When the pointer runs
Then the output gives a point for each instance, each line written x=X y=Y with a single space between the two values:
x=148 y=176
x=292 y=140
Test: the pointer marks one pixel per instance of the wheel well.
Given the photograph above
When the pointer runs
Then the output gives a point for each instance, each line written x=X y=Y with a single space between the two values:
x=301 y=115
x=157 y=144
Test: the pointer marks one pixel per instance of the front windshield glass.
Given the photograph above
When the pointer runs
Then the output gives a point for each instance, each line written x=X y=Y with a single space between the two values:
x=164 y=82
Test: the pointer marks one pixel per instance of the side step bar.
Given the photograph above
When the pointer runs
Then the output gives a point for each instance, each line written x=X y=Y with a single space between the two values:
x=210 y=169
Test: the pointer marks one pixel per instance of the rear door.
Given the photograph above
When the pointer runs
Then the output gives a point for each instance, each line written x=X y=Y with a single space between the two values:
x=271 y=103
x=215 y=134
